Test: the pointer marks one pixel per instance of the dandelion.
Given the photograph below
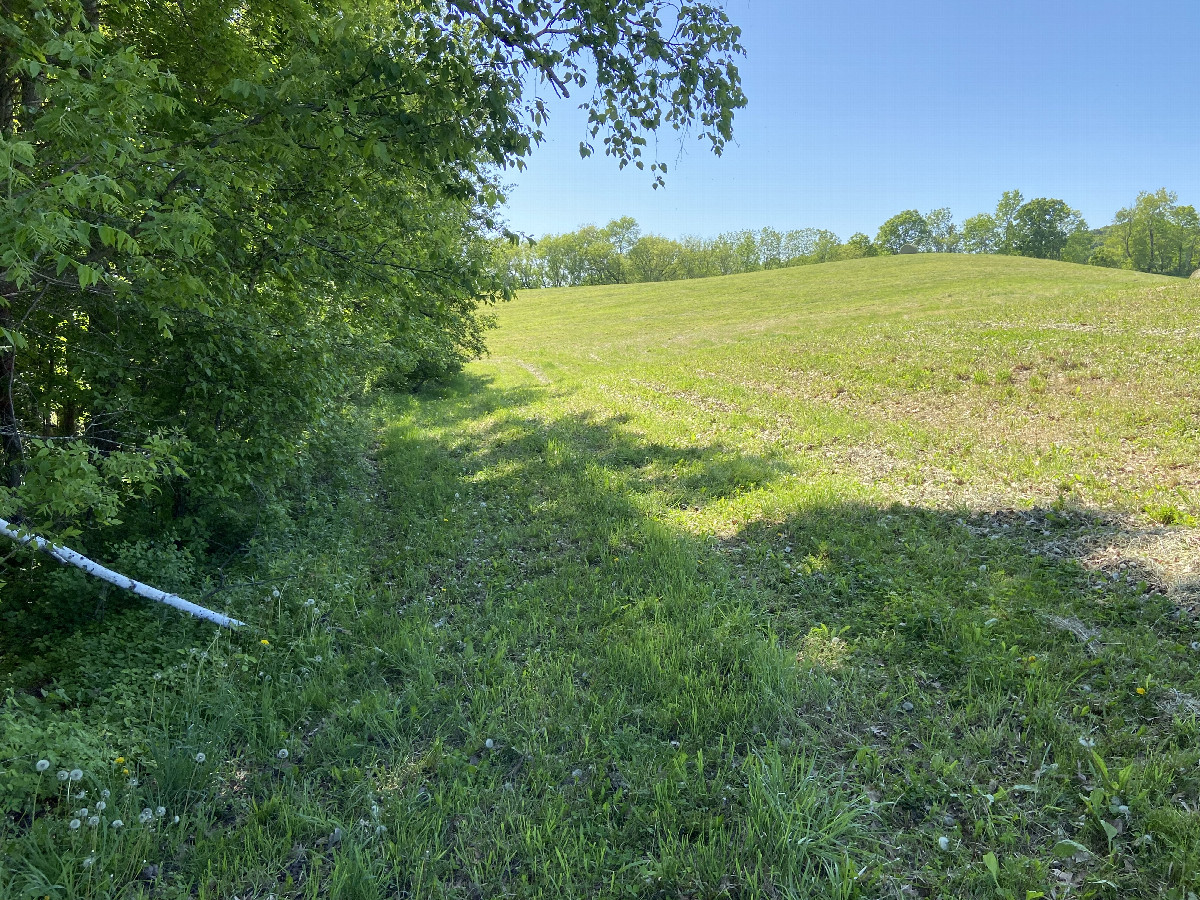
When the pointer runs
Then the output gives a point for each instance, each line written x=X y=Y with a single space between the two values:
x=89 y=862
x=74 y=824
x=119 y=760
x=1086 y=742
x=265 y=642
x=158 y=676
x=100 y=804
x=375 y=810
x=381 y=829
x=310 y=602
x=282 y=754
x=63 y=774
x=125 y=771
x=160 y=811
x=83 y=813
x=275 y=593
x=117 y=823
x=93 y=821
x=133 y=782
x=146 y=815
x=317 y=659
x=175 y=821
x=76 y=774
x=106 y=793
x=42 y=765
x=944 y=843
x=200 y=757
x=489 y=743
x=1141 y=690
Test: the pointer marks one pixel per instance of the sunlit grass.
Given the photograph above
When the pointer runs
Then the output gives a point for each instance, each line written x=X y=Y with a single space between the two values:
x=869 y=579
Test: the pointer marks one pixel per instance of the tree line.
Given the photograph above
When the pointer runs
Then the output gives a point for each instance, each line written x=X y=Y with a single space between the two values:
x=1154 y=234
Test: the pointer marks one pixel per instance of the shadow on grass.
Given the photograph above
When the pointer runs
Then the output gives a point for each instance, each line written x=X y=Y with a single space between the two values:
x=928 y=660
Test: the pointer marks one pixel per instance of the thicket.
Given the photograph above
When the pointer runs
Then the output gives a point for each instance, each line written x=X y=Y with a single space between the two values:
x=1155 y=234
x=221 y=223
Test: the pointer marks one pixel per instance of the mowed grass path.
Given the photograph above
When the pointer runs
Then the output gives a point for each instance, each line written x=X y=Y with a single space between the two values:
x=871 y=579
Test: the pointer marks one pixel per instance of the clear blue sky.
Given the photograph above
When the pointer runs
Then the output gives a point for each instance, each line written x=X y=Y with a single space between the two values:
x=861 y=109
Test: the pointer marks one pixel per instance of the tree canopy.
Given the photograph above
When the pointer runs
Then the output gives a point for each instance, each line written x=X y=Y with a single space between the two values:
x=221 y=219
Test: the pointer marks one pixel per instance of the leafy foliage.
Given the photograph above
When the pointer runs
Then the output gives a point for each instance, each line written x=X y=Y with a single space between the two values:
x=222 y=222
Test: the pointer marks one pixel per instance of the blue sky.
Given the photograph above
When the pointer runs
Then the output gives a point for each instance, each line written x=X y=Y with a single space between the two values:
x=861 y=109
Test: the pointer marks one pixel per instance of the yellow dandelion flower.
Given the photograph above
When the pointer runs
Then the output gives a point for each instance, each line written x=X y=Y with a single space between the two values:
x=124 y=771
x=265 y=642
x=1141 y=690
x=120 y=759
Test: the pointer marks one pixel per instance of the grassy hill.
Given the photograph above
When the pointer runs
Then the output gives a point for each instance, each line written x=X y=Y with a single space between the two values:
x=869 y=579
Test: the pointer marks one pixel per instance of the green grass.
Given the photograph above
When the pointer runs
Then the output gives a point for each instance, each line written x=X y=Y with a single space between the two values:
x=871 y=579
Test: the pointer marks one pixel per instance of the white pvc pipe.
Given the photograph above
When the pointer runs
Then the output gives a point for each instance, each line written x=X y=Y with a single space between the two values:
x=71 y=558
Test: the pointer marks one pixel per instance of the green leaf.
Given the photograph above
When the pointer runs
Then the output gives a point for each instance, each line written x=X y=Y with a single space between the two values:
x=1064 y=849
x=993 y=864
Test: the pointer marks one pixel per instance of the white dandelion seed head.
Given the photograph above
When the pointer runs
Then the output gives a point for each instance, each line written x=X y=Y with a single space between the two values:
x=117 y=823
x=89 y=862
x=275 y=593
x=282 y=754
x=93 y=821
x=944 y=843
x=146 y=816
x=101 y=805
x=42 y=765
x=175 y=821
x=106 y=793
x=83 y=813
x=1086 y=742
x=160 y=811
x=74 y=824
x=76 y=774
x=381 y=829
x=63 y=774
x=158 y=676
x=133 y=782
x=200 y=757
x=489 y=743
x=310 y=602
x=316 y=659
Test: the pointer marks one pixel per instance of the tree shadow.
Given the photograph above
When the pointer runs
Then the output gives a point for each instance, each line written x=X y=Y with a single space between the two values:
x=925 y=655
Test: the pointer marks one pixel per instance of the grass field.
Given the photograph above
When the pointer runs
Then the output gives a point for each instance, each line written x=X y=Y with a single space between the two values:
x=869 y=579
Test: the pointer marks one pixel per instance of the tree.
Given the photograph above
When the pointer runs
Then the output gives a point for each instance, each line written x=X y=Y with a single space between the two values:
x=980 y=234
x=943 y=235
x=908 y=227
x=1042 y=227
x=857 y=246
x=1006 y=211
x=1157 y=235
x=218 y=225
x=655 y=258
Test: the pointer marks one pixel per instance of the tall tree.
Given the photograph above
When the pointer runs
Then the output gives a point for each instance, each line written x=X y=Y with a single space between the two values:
x=1042 y=227
x=1158 y=235
x=908 y=227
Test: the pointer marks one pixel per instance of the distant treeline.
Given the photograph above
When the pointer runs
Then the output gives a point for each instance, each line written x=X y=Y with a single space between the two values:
x=1155 y=234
